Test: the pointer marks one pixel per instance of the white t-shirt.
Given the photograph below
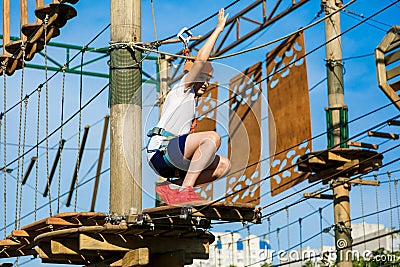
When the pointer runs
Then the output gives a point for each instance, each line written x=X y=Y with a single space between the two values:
x=177 y=115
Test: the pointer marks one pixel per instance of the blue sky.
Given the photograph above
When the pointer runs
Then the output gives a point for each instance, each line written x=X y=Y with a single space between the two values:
x=361 y=95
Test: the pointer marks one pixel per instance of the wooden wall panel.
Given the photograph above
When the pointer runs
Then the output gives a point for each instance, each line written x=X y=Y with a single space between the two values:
x=289 y=102
x=207 y=121
x=245 y=136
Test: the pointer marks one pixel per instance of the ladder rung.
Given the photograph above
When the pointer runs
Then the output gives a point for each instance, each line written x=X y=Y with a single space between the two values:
x=394 y=122
x=365 y=145
x=383 y=135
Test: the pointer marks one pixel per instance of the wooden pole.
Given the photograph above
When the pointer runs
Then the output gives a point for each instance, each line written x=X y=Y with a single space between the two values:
x=126 y=109
x=100 y=161
x=23 y=16
x=6 y=25
x=77 y=165
x=39 y=3
x=164 y=76
x=334 y=65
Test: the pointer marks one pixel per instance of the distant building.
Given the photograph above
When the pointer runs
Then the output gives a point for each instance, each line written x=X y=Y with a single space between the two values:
x=360 y=233
x=230 y=249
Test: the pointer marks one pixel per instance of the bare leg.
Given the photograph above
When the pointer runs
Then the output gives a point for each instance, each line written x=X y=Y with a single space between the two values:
x=217 y=169
x=200 y=148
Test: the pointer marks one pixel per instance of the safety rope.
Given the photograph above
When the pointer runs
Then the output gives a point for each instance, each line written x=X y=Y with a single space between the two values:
x=390 y=203
x=288 y=229
x=397 y=202
x=3 y=67
x=39 y=90
x=320 y=227
x=362 y=212
x=301 y=238
x=377 y=208
x=20 y=171
x=23 y=163
x=46 y=20
x=61 y=137
x=79 y=128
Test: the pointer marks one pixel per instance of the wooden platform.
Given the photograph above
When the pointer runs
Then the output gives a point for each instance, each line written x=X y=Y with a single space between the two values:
x=344 y=162
x=89 y=238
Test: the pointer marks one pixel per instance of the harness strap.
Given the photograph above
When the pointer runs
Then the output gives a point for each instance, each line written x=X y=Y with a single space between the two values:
x=160 y=131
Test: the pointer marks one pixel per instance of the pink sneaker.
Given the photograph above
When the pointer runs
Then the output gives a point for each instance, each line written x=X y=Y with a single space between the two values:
x=166 y=191
x=185 y=196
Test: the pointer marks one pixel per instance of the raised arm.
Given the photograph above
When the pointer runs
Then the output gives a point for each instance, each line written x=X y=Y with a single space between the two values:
x=204 y=52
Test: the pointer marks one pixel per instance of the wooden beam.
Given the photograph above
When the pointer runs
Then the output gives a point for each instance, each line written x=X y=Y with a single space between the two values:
x=19 y=233
x=61 y=222
x=6 y=25
x=364 y=145
x=394 y=122
x=137 y=257
x=54 y=167
x=115 y=243
x=78 y=163
x=23 y=16
x=60 y=248
x=383 y=135
x=29 y=169
x=358 y=181
x=319 y=196
x=89 y=243
x=100 y=161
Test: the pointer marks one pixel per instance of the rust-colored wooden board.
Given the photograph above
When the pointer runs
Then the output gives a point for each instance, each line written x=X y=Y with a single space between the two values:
x=207 y=118
x=244 y=145
x=290 y=125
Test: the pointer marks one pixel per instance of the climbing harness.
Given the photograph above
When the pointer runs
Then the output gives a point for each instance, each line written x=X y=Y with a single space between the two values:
x=164 y=145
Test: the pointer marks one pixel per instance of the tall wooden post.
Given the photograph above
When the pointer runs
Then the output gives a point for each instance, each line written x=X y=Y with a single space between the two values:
x=126 y=109
x=164 y=76
x=23 y=16
x=337 y=122
x=6 y=24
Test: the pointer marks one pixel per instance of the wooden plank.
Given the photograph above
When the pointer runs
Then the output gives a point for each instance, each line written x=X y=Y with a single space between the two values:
x=395 y=86
x=89 y=243
x=358 y=181
x=335 y=157
x=394 y=122
x=9 y=242
x=61 y=248
x=137 y=257
x=19 y=233
x=6 y=24
x=365 y=145
x=61 y=222
x=319 y=196
x=393 y=57
x=100 y=161
x=383 y=135
x=393 y=72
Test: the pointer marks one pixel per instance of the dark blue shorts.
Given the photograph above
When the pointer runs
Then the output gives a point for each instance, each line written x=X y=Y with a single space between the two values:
x=160 y=165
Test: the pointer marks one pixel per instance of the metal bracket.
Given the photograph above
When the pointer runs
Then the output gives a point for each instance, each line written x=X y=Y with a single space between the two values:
x=257 y=216
x=341 y=227
x=184 y=35
x=115 y=219
x=186 y=213
x=142 y=219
